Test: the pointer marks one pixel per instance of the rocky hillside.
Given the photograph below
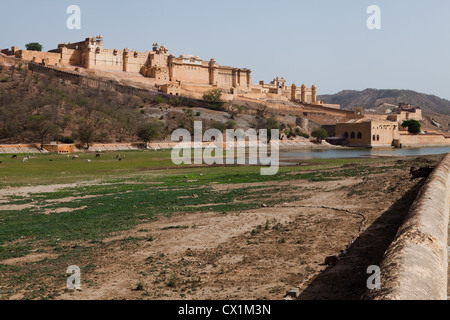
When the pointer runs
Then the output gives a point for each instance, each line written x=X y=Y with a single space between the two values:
x=38 y=106
x=371 y=98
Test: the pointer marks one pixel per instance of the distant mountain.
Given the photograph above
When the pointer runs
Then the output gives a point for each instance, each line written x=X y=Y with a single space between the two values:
x=371 y=98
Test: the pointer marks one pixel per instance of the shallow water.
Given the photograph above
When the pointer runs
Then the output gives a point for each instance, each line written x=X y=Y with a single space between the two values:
x=360 y=153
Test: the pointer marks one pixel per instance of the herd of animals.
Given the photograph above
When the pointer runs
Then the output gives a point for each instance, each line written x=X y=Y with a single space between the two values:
x=97 y=155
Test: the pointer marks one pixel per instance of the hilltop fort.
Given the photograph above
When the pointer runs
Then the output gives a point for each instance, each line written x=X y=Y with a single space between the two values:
x=190 y=76
x=170 y=74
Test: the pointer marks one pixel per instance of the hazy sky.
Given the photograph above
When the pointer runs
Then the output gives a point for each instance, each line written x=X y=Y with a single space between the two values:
x=322 y=42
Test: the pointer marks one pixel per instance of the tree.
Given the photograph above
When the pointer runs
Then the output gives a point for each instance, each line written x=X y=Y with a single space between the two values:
x=151 y=131
x=320 y=134
x=413 y=126
x=267 y=124
x=214 y=96
x=86 y=134
x=234 y=110
x=34 y=46
x=42 y=127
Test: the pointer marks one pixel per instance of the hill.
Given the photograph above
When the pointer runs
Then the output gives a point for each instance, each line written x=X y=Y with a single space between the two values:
x=38 y=105
x=371 y=98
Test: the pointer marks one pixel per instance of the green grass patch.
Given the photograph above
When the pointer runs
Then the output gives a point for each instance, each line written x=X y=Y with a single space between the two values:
x=138 y=189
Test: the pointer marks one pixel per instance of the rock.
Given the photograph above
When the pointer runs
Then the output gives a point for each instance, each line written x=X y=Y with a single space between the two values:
x=295 y=293
x=434 y=123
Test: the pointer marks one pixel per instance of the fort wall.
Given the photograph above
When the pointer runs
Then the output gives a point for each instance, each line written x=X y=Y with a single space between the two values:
x=331 y=111
x=193 y=74
x=415 y=265
x=71 y=57
x=421 y=140
x=168 y=71
x=39 y=57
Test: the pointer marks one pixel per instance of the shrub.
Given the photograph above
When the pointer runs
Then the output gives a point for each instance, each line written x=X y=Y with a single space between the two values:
x=214 y=96
x=188 y=112
x=140 y=286
x=151 y=131
x=176 y=102
x=172 y=283
x=219 y=126
x=230 y=124
x=319 y=134
x=239 y=108
x=304 y=135
x=64 y=139
x=287 y=133
x=158 y=100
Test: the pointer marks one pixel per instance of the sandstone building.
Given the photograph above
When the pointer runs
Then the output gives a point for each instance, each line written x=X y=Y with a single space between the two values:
x=171 y=74
x=158 y=64
x=368 y=132
x=378 y=132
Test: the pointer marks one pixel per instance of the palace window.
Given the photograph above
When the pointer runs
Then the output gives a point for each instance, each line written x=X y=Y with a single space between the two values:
x=359 y=135
x=352 y=136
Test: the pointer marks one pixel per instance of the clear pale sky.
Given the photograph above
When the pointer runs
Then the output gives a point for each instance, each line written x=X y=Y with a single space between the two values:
x=322 y=42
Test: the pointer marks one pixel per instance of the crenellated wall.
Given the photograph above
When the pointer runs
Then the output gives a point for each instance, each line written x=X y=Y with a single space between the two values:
x=165 y=69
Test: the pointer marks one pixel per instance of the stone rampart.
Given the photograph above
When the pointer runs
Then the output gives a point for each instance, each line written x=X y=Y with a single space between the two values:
x=415 y=265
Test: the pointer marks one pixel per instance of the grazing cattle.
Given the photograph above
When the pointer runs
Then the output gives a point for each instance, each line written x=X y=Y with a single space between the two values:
x=97 y=155
x=75 y=157
x=118 y=156
x=120 y=159
x=26 y=159
x=14 y=156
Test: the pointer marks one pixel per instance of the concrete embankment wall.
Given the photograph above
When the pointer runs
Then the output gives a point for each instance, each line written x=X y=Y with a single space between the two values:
x=96 y=147
x=415 y=265
x=422 y=140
